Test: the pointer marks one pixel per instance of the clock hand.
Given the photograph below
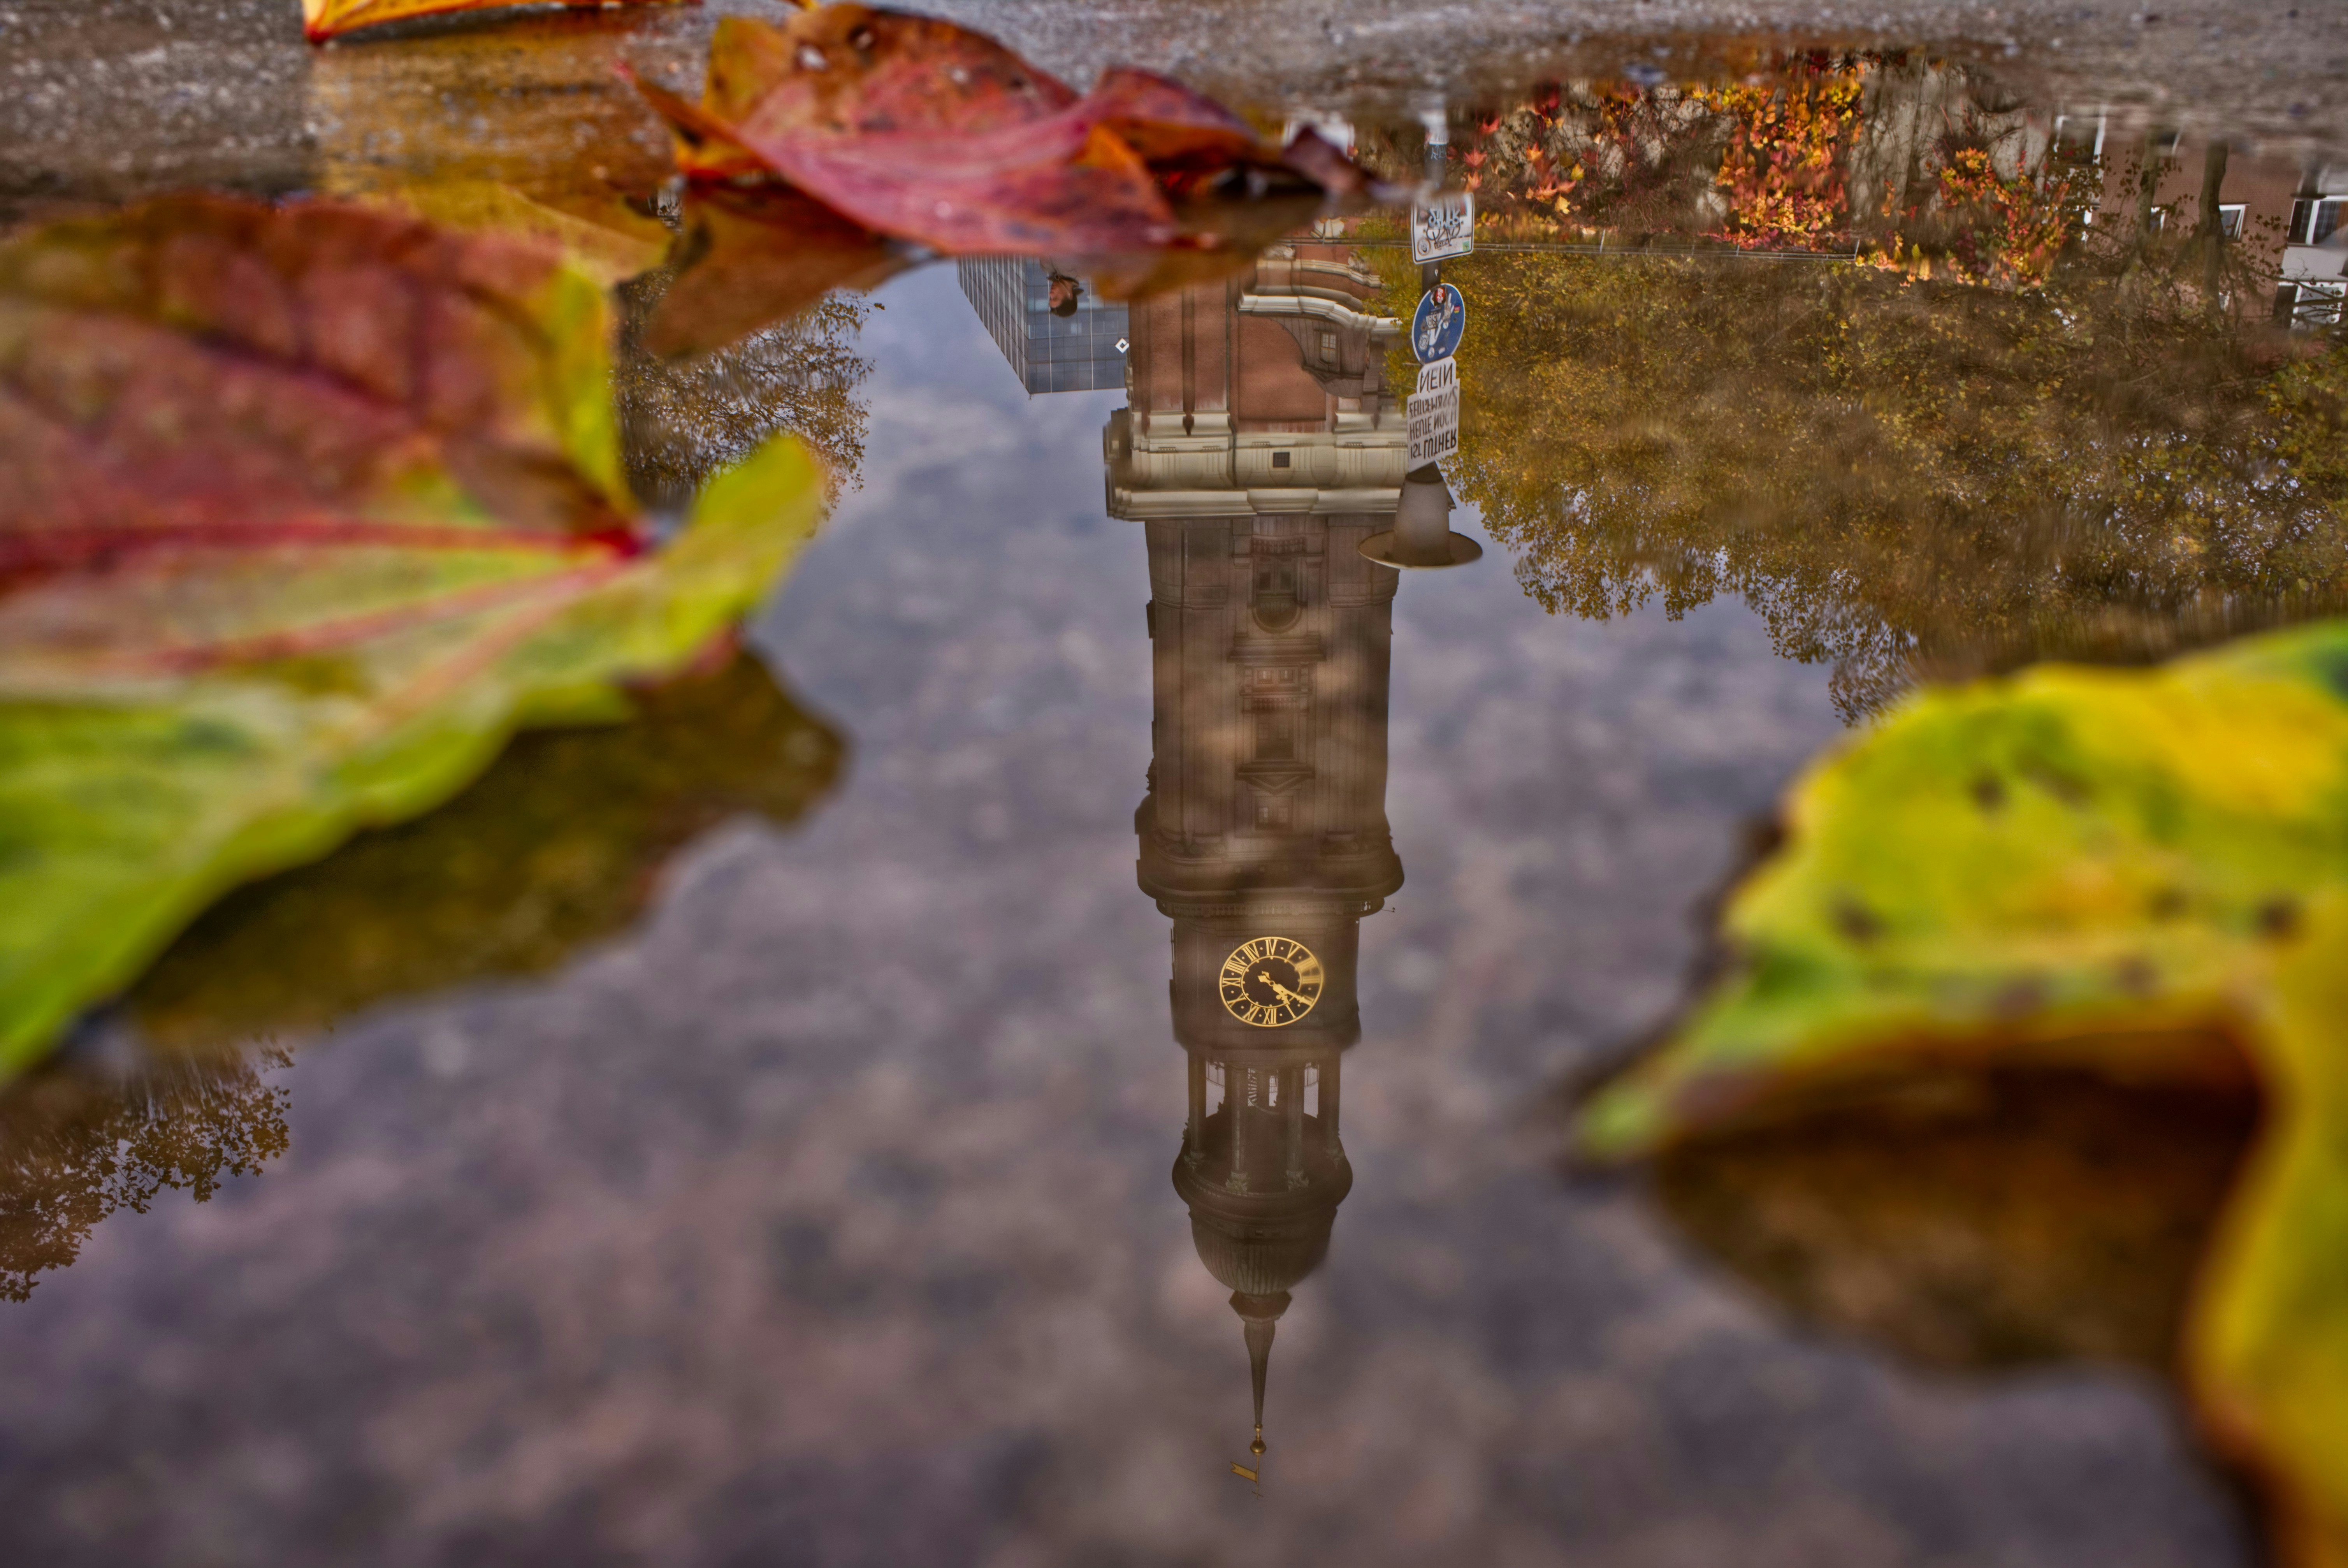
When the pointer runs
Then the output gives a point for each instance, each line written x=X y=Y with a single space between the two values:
x=1301 y=1003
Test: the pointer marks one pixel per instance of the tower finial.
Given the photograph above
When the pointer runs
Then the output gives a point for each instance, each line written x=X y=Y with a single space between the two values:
x=1260 y=1358
x=1259 y=1344
x=1258 y=1316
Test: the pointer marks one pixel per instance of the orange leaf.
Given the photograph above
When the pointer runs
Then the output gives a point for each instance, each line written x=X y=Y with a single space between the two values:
x=324 y=19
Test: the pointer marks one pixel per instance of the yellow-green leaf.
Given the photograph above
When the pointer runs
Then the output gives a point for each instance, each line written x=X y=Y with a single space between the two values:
x=324 y=19
x=2140 y=873
x=310 y=507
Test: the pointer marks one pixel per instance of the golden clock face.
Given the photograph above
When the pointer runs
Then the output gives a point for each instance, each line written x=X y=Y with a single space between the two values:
x=1271 y=981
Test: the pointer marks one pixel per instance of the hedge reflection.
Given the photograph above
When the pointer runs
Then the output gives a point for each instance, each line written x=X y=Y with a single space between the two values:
x=1904 y=479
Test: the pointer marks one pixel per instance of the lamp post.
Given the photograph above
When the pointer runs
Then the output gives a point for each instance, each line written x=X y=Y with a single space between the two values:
x=1439 y=161
x=1421 y=536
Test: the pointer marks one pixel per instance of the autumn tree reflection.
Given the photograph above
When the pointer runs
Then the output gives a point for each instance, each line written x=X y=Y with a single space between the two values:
x=1903 y=479
x=2005 y=386
x=685 y=417
x=76 y=1145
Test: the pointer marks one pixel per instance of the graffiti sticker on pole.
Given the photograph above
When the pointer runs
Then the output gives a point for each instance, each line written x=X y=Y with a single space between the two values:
x=1438 y=324
x=1443 y=226
x=1433 y=414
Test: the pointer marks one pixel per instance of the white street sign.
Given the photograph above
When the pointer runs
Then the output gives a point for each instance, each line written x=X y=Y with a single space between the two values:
x=1433 y=414
x=1443 y=226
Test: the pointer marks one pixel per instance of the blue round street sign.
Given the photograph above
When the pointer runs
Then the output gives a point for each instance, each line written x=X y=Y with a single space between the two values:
x=1438 y=323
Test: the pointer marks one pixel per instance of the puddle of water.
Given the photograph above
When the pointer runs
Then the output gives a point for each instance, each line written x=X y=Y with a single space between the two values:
x=1082 y=995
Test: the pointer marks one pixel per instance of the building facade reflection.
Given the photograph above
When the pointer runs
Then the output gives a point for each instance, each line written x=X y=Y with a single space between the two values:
x=1259 y=448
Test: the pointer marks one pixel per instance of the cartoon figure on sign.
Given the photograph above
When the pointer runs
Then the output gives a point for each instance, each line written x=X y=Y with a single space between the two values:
x=1438 y=323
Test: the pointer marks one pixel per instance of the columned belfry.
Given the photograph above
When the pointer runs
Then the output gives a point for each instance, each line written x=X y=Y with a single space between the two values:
x=1258 y=450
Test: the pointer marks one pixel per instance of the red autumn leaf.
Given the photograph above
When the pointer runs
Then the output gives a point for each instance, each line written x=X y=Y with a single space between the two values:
x=846 y=70
x=199 y=368
x=754 y=255
x=923 y=131
x=1059 y=187
x=198 y=394
x=854 y=70
x=1171 y=127
x=324 y=19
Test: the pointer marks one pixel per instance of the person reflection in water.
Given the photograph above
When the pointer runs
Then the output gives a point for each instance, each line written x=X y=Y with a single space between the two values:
x=1259 y=450
x=1062 y=291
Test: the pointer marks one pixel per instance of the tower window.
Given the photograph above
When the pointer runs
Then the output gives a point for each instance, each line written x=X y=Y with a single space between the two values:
x=1280 y=460
x=1276 y=602
x=1275 y=736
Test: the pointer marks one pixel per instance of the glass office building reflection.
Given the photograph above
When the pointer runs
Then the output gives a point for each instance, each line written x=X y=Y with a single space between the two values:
x=1079 y=347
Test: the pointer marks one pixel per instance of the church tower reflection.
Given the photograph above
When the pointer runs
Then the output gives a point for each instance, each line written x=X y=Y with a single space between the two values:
x=1259 y=450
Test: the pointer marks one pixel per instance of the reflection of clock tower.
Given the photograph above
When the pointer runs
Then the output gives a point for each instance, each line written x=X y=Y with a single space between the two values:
x=1259 y=450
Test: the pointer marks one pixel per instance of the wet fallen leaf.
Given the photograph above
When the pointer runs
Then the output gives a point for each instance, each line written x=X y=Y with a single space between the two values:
x=850 y=70
x=752 y=256
x=2138 y=874
x=324 y=19
x=309 y=509
x=924 y=131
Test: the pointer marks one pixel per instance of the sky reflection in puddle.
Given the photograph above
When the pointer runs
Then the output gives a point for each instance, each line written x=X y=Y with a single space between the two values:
x=755 y=1138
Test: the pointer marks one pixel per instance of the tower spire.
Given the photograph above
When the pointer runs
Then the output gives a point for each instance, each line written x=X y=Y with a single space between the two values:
x=1259 y=1344
x=1258 y=1315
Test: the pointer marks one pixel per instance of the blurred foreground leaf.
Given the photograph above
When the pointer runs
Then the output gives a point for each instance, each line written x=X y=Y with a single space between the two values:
x=309 y=509
x=2138 y=875
x=558 y=846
